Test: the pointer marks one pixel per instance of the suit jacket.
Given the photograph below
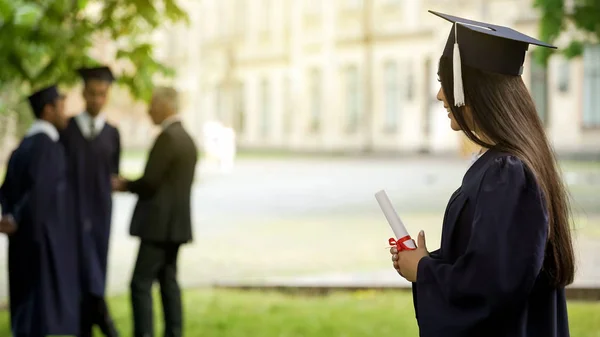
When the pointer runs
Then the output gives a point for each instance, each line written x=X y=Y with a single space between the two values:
x=163 y=210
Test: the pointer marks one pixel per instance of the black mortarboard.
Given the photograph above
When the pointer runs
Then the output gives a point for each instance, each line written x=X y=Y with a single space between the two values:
x=485 y=46
x=97 y=73
x=39 y=99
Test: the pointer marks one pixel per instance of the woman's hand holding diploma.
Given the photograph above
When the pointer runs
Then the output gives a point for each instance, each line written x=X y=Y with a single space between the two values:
x=405 y=254
x=406 y=262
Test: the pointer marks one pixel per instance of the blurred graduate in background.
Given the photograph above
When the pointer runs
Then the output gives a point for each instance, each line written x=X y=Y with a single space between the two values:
x=93 y=150
x=38 y=216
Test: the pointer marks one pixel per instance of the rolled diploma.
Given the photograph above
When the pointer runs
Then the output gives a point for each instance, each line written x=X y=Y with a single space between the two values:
x=393 y=218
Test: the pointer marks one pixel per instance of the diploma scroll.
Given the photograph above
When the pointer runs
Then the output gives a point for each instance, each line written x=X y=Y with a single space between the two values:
x=403 y=240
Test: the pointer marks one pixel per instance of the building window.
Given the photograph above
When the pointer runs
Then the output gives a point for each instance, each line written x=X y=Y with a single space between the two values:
x=315 y=100
x=287 y=107
x=409 y=82
x=353 y=4
x=219 y=103
x=286 y=21
x=539 y=88
x=564 y=75
x=222 y=26
x=392 y=2
x=265 y=108
x=312 y=7
x=591 y=86
x=241 y=15
x=239 y=113
x=392 y=97
x=265 y=21
x=352 y=99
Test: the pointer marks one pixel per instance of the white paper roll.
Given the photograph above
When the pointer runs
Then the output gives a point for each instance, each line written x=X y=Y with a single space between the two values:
x=393 y=218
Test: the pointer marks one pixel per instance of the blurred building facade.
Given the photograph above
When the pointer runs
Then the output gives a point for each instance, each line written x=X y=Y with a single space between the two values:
x=342 y=75
x=360 y=75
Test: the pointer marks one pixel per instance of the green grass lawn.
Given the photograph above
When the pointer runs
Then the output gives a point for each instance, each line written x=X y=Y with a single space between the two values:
x=227 y=313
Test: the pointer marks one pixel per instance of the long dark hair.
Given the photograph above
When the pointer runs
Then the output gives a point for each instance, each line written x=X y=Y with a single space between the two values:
x=504 y=112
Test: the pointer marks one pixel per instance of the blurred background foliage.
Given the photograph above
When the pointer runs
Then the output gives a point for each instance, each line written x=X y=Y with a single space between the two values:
x=556 y=16
x=44 y=41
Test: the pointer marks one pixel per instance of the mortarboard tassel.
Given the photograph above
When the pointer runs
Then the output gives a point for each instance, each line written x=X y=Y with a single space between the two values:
x=459 y=95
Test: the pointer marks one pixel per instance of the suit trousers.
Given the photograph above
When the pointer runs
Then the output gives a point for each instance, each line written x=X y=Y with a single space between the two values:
x=156 y=262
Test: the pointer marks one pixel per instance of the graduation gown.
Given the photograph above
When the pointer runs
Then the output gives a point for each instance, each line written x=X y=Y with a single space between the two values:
x=42 y=254
x=487 y=277
x=92 y=162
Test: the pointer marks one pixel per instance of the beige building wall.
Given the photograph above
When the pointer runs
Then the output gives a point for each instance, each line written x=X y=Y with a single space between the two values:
x=287 y=40
x=328 y=37
x=251 y=65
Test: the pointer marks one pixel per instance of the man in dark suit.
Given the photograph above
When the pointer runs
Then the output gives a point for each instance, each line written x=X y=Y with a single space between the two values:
x=162 y=216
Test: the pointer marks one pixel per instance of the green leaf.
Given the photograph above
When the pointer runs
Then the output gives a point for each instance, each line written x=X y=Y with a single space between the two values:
x=81 y=4
x=574 y=49
x=44 y=41
x=27 y=15
x=586 y=17
x=551 y=24
x=61 y=7
x=175 y=13
x=6 y=9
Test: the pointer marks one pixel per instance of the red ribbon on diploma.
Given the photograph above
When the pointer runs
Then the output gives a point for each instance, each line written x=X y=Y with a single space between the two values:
x=400 y=243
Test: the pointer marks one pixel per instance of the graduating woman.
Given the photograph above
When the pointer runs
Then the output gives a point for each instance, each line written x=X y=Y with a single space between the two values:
x=506 y=253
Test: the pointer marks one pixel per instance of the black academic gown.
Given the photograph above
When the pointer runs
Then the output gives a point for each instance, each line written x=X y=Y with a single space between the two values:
x=487 y=279
x=92 y=163
x=42 y=254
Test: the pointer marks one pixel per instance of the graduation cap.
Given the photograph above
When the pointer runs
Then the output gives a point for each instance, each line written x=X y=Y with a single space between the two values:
x=484 y=46
x=39 y=99
x=96 y=73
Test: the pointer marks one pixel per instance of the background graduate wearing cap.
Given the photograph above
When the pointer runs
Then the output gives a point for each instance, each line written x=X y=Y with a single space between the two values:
x=506 y=253
x=38 y=216
x=93 y=150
